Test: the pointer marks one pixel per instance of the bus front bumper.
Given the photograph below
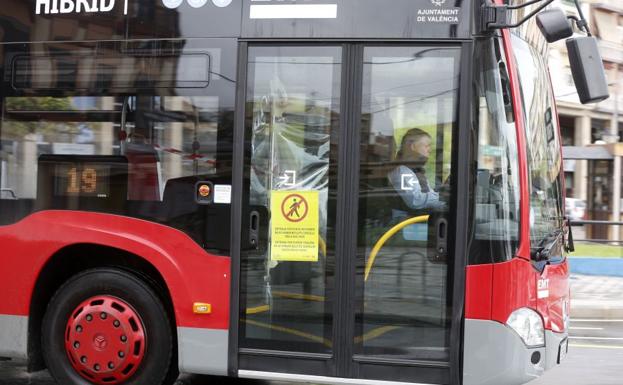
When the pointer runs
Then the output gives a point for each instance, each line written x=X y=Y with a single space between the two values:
x=495 y=355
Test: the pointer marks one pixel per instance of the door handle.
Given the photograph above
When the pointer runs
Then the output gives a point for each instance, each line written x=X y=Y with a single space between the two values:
x=441 y=248
x=254 y=227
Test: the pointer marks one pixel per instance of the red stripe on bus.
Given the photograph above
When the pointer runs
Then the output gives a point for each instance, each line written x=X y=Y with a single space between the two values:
x=478 y=291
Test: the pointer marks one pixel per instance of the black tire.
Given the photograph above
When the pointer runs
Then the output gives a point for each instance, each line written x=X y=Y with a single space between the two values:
x=155 y=368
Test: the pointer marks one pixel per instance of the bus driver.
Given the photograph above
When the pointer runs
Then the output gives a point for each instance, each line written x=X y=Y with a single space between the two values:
x=409 y=178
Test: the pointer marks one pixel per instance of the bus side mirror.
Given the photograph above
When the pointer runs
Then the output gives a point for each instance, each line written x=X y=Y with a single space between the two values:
x=554 y=25
x=587 y=69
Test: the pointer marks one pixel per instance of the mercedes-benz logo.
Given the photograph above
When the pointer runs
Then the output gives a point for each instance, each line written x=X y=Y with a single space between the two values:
x=438 y=3
x=100 y=342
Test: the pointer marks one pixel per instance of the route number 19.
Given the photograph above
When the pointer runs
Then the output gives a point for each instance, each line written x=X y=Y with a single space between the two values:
x=84 y=181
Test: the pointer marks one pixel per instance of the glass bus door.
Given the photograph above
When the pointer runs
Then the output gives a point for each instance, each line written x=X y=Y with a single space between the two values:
x=288 y=266
x=403 y=269
x=346 y=263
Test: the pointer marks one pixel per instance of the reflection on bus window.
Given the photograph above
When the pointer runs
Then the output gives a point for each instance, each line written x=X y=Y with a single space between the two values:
x=408 y=122
x=160 y=148
x=293 y=107
x=496 y=207
x=543 y=143
x=119 y=71
x=147 y=116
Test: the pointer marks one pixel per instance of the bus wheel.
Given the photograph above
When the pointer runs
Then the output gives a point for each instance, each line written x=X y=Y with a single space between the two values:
x=106 y=326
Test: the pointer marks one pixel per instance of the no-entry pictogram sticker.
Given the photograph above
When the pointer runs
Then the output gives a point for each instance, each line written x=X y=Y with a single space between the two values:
x=294 y=208
x=294 y=226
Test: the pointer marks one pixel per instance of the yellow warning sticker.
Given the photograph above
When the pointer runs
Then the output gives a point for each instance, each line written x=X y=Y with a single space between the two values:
x=294 y=227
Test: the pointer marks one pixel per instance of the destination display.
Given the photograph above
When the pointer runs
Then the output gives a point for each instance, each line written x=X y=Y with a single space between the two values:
x=96 y=182
x=82 y=179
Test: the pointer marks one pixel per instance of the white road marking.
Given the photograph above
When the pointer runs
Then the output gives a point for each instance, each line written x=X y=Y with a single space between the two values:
x=598 y=338
x=595 y=320
x=584 y=328
x=594 y=346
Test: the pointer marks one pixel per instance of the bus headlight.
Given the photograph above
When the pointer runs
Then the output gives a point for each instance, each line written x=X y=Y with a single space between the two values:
x=529 y=325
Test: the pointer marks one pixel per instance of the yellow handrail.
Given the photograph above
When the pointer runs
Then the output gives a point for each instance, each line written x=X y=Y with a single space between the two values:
x=323 y=245
x=390 y=233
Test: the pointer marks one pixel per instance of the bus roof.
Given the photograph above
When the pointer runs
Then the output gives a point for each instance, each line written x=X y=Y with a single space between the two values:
x=79 y=20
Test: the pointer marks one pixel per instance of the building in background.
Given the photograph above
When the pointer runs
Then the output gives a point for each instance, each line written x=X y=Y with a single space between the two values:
x=593 y=134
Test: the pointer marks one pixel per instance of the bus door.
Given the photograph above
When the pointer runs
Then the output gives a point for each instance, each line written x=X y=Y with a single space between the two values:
x=345 y=259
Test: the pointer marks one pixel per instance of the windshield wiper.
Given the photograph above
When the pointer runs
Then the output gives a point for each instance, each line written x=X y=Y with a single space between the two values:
x=543 y=251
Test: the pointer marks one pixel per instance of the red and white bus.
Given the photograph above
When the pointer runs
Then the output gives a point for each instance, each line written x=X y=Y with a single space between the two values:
x=335 y=191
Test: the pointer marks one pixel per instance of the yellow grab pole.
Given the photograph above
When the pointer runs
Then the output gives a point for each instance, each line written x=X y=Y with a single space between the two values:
x=390 y=233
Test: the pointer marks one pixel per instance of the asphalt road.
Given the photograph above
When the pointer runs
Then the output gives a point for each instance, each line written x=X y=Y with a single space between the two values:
x=595 y=358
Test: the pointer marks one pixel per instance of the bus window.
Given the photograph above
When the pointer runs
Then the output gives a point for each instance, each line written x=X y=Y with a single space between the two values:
x=496 y=194
x=409 y=116
x=155 y=118
x=543 y=142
